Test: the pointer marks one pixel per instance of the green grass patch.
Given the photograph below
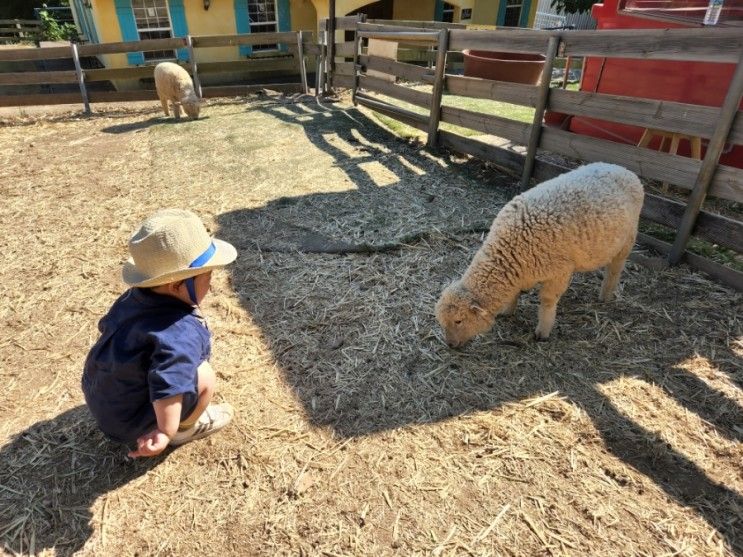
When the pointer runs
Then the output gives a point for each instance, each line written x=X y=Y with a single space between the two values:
x=486 y=106
x=718 y=254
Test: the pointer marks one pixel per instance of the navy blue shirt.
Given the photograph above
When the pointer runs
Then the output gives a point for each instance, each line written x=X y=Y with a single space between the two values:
x=150 y=348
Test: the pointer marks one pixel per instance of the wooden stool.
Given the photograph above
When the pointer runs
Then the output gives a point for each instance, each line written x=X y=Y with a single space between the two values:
x=695 y=143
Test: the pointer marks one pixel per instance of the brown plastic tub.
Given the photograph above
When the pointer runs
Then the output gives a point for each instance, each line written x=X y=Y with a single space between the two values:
x=503 y=66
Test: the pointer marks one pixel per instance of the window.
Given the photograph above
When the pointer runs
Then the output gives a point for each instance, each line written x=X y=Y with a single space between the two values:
x=723 y=13
x=262 y=14
x=466 y=13
x=448 y=13
x=153 y=22
x=513 y=13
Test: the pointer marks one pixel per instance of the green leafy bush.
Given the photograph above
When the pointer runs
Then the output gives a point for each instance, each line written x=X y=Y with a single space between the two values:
x=52 y=30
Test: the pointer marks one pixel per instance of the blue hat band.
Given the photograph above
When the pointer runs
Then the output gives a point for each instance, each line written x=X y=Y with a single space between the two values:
x=200 y=261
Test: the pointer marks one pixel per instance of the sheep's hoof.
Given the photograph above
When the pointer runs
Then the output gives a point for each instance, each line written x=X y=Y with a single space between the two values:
x=540 y=337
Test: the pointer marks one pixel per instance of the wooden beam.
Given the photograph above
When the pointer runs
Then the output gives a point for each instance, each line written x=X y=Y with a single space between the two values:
x=721 y=273
x=715 y=229
x=51 y=53
x=32 y=78
x=427 y=37
x=504 y=158
x=242 y=90
x=675 y=169
x=515 y=93
x=331 y=36
x=355 y=65
x=194 y=66
x=286 y=37
x=302 y=62
x=438 y=87
x=410 y=72
x=418 y=24
x=728 y=111
x=487 y=123
x=521 y=40
x=669 y=116
x=408 y=117
x=536 y=127
x=418 y=98
x=702 y=44
x=40 y=99
x=131 y=46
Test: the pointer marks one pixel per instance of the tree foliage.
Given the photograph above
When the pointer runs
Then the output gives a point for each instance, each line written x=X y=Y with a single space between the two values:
x=52 y=30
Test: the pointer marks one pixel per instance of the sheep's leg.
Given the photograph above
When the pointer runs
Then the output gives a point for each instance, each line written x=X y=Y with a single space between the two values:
x=549 y=295
x=164 y=102
x=614 y=271
x=177 y=110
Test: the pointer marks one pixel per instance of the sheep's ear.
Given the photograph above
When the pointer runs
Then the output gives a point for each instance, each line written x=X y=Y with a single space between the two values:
x=477 y=309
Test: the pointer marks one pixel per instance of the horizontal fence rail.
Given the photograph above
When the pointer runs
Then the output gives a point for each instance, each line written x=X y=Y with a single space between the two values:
x=298 y=45
x=16 y=30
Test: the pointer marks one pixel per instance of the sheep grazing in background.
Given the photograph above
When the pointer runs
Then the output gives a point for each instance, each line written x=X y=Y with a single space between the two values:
x=579 y=221
x=174 y=84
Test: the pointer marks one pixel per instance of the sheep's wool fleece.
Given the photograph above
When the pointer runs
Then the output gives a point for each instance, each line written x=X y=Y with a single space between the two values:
x=173 y=82
x=577 y=221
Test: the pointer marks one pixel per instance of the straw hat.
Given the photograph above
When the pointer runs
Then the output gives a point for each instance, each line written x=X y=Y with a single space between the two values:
x=173 y=245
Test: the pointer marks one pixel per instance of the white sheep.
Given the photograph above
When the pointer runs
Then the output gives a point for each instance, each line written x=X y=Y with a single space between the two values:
x=579 y=221
x=174 y=84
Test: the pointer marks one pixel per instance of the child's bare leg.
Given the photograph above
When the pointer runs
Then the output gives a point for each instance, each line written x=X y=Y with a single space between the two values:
x=207 y=384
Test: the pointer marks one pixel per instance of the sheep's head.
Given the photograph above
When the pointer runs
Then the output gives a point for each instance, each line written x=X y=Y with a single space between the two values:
x=191 y=106
x=460 y=315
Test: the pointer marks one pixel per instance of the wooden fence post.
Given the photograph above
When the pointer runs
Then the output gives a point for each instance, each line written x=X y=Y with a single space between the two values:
x=438 y=88
x=728 y=112
x=319 y=61
x=331 y=39
x=536 y=126
x=194 y=70
x=356 y=69
x=324 y=60
x=80 y=77
x=302 y=65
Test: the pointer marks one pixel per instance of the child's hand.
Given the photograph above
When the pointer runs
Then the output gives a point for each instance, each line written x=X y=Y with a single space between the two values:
x=150 y=444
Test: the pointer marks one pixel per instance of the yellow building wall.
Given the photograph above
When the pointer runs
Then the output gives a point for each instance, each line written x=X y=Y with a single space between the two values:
x=421 y=10
x=485 y=12
x=218 y=20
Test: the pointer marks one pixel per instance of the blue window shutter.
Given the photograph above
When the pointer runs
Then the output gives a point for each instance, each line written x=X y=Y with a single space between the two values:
x=438 y=14
x=525 y=9
x=128 y=27
x=180 y=25
x=501 y=13
x=242 y=24
x=284 y=17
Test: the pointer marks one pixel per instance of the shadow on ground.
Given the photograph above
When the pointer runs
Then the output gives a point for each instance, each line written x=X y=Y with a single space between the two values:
x=343 y=286
x=52 y=474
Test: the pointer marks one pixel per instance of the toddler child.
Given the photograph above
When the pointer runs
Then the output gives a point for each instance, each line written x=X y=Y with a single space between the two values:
x=147 y=380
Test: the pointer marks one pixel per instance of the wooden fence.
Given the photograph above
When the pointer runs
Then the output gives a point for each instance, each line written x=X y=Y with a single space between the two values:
x=299 y=44
x=700 y=177
x=17 y=30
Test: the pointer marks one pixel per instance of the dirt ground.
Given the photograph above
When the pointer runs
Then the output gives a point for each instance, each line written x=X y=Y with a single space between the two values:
x=358 y=431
